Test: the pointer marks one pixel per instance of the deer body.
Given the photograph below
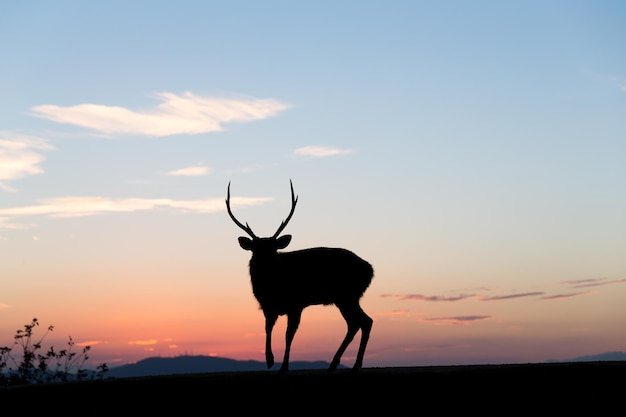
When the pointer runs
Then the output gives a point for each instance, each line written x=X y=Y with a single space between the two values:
x=336 y=274
x=285 y=283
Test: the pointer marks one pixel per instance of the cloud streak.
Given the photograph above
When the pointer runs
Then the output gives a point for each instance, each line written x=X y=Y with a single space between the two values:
x=19 y=157
x=143 y=342
x=457 y=320
x=462 y=297
x=564 y=296
x=193 y=171
x=593 y=282
x=6 y=223
x=187 y=114
x=511 y=296
x=90 y=343
x=320 y=151
x=91 y=206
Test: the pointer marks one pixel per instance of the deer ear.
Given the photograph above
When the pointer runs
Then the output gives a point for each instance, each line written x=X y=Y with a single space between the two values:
x=283 y=241
x=245 y=243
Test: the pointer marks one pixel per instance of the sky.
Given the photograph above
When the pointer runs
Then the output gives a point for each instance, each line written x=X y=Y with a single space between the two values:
x=473 y=152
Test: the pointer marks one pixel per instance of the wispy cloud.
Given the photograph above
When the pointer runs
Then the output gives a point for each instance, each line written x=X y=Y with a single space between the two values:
x=593 y=282
x=91 y=206
x=420 y=297
x=19 y=157
x=564 y=296
x=177 y=114
x=320 y=151
x=460 y=297
x=457 y=320
x=143 y=342
x=6 y=223
x=511 y=296
x=193 y=171
x=3 y=306
x=90 y=343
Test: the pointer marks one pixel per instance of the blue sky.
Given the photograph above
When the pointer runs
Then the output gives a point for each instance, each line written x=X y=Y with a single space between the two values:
x=471 y=151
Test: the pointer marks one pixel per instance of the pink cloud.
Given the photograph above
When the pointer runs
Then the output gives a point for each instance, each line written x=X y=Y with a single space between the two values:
x=593 y=282
x=510 y=296
x=457 y=320
x=420 y=297
x=563 y=296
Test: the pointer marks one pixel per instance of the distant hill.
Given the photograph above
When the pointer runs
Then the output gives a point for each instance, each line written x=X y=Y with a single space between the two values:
x=200 y=364
x=188 y=364
x=607 y=356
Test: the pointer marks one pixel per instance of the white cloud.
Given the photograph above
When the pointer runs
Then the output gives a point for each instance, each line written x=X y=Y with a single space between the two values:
x=5 y=223
x=194 y=171
x=320 y=151
x=91 y=206
x=19 y=157
x=186 y=114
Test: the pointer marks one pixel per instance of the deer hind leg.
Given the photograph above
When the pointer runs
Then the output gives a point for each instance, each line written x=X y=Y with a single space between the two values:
x=270 y=321
x=293 y=321
x=366 y=327
x=355 y=319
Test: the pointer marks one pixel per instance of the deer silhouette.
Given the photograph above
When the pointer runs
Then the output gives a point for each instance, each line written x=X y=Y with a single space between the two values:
x=285 y=283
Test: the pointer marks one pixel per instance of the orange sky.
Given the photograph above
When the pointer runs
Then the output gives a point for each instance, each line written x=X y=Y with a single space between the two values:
x=477 y=164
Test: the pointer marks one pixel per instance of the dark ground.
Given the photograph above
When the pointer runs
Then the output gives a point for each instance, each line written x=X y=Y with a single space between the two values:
x=596 y=388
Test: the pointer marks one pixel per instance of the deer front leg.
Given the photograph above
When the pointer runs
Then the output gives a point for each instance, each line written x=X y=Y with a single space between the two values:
x=270 y=320
x=293 y=321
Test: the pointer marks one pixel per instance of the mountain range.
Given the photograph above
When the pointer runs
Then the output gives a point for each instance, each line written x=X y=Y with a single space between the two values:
x=188 y=364
x=606 y=356
x=200 y=364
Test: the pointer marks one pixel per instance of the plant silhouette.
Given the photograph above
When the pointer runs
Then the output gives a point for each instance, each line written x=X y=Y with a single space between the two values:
x=285 y=283
x=52 y=366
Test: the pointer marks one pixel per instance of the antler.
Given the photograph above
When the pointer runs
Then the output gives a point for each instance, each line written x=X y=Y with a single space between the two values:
x=294 y=200
x=245 y=228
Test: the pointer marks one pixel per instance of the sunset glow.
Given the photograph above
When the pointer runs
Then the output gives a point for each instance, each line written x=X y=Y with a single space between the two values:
x=473 y=153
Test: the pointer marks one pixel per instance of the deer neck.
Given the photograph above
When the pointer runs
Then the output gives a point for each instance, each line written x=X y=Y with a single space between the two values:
x=264 y=264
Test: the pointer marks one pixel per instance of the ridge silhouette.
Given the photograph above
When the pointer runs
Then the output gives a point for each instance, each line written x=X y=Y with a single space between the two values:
x=285 y=283
x=193 y=364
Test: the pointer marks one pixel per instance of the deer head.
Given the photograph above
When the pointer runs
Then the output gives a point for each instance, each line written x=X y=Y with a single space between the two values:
x=263 y=245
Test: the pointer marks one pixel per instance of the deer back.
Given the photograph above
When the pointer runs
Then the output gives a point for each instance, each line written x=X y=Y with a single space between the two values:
x=297 y=279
